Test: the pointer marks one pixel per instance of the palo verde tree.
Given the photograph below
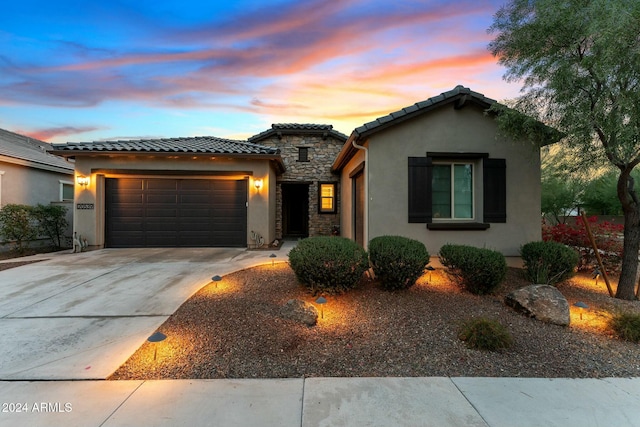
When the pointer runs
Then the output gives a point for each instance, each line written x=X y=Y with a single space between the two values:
x=579 y=63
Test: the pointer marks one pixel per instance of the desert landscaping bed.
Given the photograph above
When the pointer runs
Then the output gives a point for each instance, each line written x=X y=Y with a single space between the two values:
x=234 y=329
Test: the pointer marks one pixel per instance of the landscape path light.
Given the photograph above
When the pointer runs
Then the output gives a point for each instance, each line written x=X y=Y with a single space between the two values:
x=581 y=307
x=321 y=301
x=273 y=256
x=155 y=339
x=596 y=275
x=216 y=279
x=430 y=269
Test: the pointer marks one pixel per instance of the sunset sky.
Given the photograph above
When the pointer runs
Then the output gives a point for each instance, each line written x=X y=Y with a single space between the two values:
x=118 y=69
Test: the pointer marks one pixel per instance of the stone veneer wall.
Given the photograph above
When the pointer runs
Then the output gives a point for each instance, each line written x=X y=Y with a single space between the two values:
x=322 y=153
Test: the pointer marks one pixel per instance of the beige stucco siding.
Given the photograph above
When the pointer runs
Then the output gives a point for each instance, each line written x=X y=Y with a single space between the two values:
x=261 y=203
x=29 y=186
x=450 y=130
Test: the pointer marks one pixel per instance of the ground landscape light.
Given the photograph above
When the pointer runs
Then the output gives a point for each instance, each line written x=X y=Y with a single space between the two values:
x=216 y=279
x=272 y=256
x=321 y=301
x=581 y=307
x=430 y=269
x=155 y=339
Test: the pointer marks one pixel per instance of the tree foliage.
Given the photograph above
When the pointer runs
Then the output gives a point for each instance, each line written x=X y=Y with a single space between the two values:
x=579 y=62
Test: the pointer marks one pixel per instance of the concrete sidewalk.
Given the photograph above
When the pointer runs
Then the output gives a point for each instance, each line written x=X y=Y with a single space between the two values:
x=442 y=402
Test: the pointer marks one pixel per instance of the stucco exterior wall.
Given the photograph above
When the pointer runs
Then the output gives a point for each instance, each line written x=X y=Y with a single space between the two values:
x=322 y=153
x=29 y=186
x=90 y=223
x=450 y=130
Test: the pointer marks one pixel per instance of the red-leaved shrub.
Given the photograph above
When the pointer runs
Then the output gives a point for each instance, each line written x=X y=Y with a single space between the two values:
x=608 y=237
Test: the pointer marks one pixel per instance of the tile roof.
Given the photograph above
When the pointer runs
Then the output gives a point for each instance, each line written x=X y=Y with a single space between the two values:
x=423 y=106
x=23 y=149
x=195 y=145
x=299 y=128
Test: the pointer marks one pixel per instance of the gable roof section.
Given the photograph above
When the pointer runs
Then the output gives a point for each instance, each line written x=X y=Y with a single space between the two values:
x=30 y=152
x=280 y=129
x=459 y=97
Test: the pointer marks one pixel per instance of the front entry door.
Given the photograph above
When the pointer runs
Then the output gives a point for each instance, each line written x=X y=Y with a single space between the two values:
x=295 y=210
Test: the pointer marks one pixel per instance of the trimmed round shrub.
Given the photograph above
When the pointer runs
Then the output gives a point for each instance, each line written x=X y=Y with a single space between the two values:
x=485 y=334
x=626 y=326
x=548 y=263
x=328 y=264
x=478 y=270
x=397 y=261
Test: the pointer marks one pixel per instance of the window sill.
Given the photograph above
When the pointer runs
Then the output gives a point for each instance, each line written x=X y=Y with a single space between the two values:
x=458 y=226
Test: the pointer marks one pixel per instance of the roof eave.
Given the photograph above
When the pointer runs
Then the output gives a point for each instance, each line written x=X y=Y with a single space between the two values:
x=275 y=158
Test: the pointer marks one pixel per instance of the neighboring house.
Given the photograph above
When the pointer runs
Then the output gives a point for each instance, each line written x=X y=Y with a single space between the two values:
x=436 y=171
x=307 y=202
x=30 y=175
x=440 y=172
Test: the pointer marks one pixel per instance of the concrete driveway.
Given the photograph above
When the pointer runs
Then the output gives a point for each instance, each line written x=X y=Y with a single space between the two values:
x=80 y=316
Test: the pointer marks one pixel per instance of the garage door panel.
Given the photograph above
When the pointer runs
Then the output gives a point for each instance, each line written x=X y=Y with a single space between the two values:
x=175 y=212
x=122 y=197
x=128 y=184
x=195 y=184
x=203 y=199
x=161 y=184
x=163 y=199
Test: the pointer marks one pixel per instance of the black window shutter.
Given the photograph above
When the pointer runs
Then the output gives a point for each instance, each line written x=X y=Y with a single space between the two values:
x=420 y=189
x=495 y=190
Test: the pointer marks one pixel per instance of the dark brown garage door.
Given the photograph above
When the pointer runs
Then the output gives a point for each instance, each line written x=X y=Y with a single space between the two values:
x=156 y=212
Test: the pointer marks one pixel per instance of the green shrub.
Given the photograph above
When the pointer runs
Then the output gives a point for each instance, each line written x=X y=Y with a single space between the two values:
x=548 y=262
x=478 y=270
x=485 y=334
x=397 y=261
x=18 y=225
x=52 y=222
x=328 y=264
x=626 y=326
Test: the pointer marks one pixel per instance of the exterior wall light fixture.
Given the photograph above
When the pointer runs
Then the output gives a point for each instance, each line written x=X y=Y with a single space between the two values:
x=257 y=183
x=83 y=180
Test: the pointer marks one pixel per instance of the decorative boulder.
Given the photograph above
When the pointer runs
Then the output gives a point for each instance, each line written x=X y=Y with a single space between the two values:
x=300 y=311
x=542 y=302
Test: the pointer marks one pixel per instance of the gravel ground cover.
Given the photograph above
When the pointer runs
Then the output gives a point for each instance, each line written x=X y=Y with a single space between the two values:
x=233 y=329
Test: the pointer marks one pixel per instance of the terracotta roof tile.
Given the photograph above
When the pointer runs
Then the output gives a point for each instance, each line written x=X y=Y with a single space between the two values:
x=197 y=144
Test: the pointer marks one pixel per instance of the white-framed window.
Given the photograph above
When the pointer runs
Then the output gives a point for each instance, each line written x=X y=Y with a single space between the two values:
x=452 y=191
x=66 y=190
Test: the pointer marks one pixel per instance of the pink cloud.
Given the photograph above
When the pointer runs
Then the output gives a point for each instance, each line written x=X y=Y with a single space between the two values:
x=50 y=133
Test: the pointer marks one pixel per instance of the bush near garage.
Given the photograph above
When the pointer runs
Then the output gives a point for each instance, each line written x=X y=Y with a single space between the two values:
x=548 y=262
x=18 y=225
x=397 y=261
x=478 y=270
x=328 y=264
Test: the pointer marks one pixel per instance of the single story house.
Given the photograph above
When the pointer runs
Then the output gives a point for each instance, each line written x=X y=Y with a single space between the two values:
x=437 y=171
x=30 y=175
